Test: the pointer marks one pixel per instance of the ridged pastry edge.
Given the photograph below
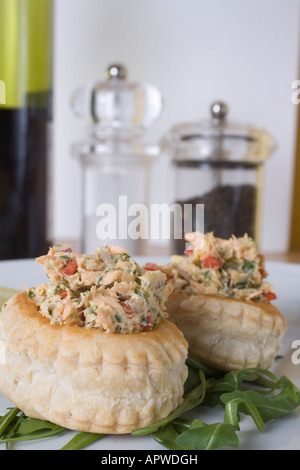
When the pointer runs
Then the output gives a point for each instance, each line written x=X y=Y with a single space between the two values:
x=228 y=334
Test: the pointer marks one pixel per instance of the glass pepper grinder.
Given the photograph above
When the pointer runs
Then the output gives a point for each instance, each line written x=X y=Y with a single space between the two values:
x=218 y=164
x=115 y=161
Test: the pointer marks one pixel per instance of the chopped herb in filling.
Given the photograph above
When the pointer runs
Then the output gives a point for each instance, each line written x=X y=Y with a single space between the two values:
x=228 y=268
x=107 y=290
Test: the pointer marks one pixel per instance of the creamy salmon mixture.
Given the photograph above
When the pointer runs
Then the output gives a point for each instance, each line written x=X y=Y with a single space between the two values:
x=107 y=290
x=227 y=268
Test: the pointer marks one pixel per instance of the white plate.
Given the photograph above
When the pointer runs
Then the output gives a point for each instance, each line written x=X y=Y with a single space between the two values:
x=282 y=434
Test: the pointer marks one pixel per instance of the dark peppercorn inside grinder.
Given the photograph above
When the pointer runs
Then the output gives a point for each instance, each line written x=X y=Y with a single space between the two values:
x=219 y=165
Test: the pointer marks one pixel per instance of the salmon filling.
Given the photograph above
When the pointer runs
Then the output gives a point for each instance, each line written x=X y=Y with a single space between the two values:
x=107 y=290
x=214 y=266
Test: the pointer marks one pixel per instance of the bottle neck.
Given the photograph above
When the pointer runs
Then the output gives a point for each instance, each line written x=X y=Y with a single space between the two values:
x=26 y=34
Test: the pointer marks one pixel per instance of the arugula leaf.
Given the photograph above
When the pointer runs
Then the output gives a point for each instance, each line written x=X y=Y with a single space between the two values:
x=15 y=428
x=269 y=407
x=232 y=407
x=7 y=419
x=184 y=434
x=166 y=436
x=192 y=381
x=277 y=397
x=236 y=380
x=81 y=440
x=194 y=363
x=32 y=425
x=201 y=436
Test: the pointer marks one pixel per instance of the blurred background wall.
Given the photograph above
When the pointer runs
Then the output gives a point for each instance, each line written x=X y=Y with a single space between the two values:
x=195 y=51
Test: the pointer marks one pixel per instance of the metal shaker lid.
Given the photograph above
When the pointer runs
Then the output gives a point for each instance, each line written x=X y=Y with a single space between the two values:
x=218 y=139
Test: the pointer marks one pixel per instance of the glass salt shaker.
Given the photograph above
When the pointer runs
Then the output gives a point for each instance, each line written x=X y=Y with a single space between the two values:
x=115 y=161
x=218 y=164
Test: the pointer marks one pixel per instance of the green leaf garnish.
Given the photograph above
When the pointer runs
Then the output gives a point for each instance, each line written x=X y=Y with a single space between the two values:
x=201 y=436
x=269 y=406
x=232 y=408
x=16 y=428
x=82 y=440
x=6 y=420
x=193 y=362
x=167 y=436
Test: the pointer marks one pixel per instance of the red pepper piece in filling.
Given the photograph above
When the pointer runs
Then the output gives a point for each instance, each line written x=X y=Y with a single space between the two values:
x=263 y=273
x=188 y=252
x=270 y=296
x=155 y=267
x=63 y=294
x=211 y=262
x=127 y=309
x=152 y=267
x=71 y=268
x=149 y=325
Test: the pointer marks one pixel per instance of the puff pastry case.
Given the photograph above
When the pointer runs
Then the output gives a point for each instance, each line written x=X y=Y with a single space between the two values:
x=92 y=349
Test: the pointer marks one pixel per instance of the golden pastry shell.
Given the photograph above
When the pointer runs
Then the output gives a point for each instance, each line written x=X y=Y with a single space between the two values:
x=86 y=379
x=228 y=334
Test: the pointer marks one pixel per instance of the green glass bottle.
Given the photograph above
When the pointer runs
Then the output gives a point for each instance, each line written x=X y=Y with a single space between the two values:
x=26 y=44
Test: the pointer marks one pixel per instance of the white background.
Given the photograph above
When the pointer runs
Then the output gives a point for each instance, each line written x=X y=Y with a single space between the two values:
x=194 y=51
